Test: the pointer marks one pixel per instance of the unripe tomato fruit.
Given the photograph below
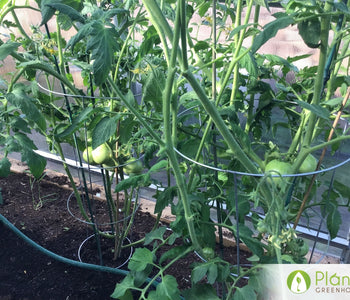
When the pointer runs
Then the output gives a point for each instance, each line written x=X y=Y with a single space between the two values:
x=304 y=249
x=276 y=167
x=87 y=155
x=133 y=166
x=102 y=154
x=208 y=253
x=309 y=164
x=262 y=227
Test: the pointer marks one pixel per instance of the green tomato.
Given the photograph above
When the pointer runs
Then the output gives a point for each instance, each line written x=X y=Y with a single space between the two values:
x=304 y=249
x=262 y=227
x=208 y=253
x=309 y=164
x=102 y=154
x=87 y=155
x=277 y=167
x=133 y=166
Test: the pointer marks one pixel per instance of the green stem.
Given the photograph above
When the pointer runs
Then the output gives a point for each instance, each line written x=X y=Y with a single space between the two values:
x=19 y=25
x=319 y=81
x=60 y=48
x=169 y=146
x=37 y=65
x=125 y=44
x=13 y=7
x=136 y=113
x=239 y=38
x=162 y=270
x=15 y=79
x=160 y=23
x=237 y=279
x=220 y=124
x=318 y=89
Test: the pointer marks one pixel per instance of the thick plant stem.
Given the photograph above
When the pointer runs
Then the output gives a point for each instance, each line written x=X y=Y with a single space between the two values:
x=319 y=81
x=169 y=146
x=159 y=22
x=220 y=124
x=319 y=85
x=60 y=49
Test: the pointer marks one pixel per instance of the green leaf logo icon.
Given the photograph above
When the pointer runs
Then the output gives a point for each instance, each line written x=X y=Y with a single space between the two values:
x=298 y=282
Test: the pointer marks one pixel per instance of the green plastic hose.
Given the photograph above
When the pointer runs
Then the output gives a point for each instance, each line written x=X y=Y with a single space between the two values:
x=60 y=258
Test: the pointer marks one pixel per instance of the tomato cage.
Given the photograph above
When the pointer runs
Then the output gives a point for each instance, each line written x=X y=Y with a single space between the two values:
x=301 y=214
x=101 y=148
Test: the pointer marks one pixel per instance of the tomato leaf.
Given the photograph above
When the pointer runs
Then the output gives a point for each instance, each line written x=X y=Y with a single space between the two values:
x=67 y=10
x=263 y=3
x=341 y=6
x=172 y=253
x=270 y=30
x=199 y=272
x=204 y=7
x=254 y=245
x=83 y=32
x=76 y=122
x=163 y=164
x=35 y=162
x=156 y=234
x=318 y=110
x=237 y=29
x=164 y=198
x=102 y=44
x=104 y=129
x=47 y=11
x=212 y=273
x=26 y=104
x=5 y=167
x=123 y=287
x=167 y=289
x=7 y=48
x=154 y=87
x=141 y=258
x=133 y=181
x=334 y=219
x=246 y=292
x=201 y=291
x=342 y=189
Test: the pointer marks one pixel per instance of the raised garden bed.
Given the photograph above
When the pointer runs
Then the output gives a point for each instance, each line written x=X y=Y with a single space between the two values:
x=26 y=273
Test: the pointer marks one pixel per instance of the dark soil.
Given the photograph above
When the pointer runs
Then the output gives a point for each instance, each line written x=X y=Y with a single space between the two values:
x=26 y=273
